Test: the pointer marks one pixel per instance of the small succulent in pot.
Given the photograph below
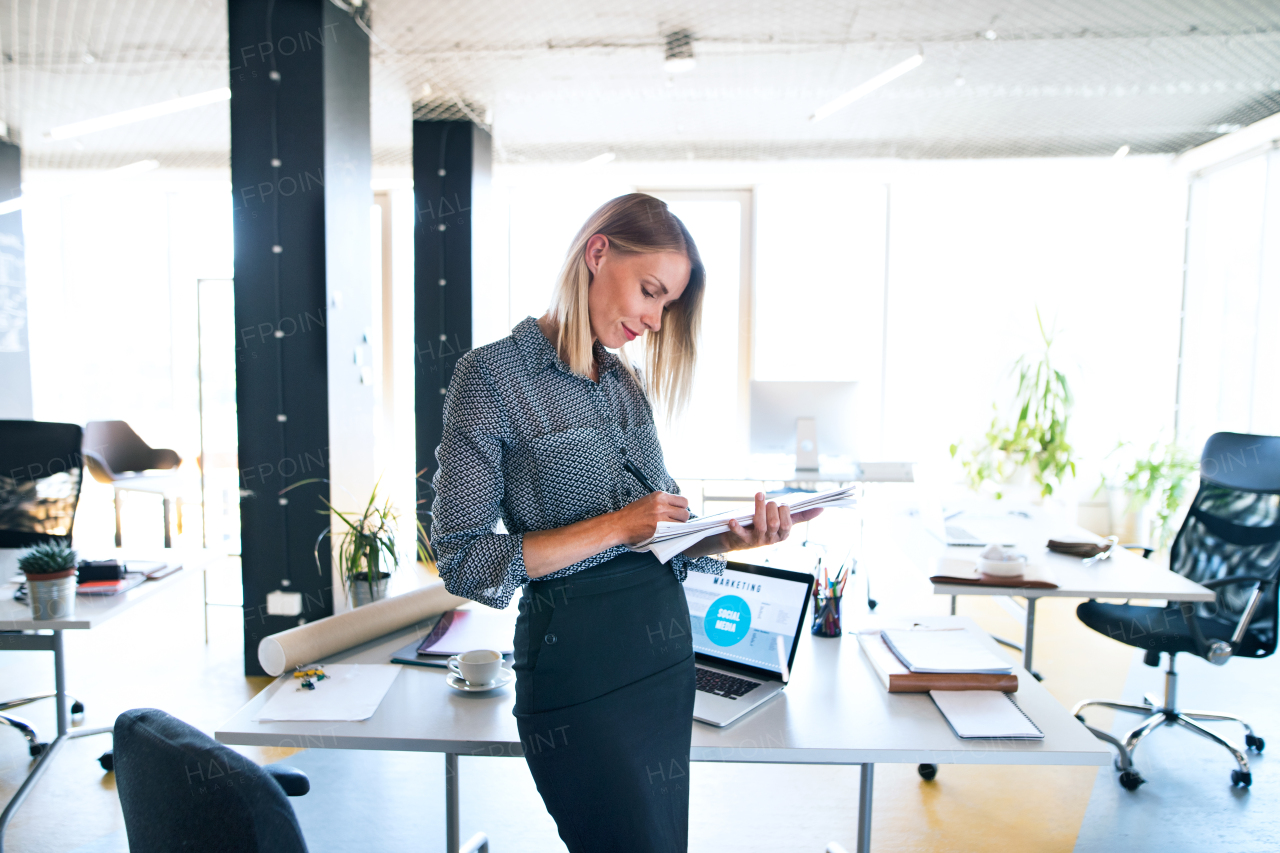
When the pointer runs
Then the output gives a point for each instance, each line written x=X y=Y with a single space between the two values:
x=48 y=561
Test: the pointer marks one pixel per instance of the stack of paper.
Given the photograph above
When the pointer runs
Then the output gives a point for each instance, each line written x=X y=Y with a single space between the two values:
x=672 y=537
x=943 y=651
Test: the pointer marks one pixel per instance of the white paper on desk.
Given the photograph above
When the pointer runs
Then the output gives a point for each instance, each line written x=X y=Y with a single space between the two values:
x=350 y=692
x=984 y=713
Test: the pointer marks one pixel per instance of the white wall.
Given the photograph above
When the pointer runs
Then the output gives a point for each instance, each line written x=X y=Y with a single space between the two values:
x=973 y=248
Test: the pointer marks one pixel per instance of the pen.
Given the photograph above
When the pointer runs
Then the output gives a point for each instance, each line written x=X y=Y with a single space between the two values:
x=635 y=471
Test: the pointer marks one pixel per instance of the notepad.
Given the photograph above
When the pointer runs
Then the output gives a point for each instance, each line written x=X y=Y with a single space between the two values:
x=984 y=713
x=943 y=651
x=674 y=537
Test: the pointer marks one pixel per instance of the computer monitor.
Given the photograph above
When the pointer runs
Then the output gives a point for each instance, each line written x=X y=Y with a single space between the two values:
x=804 y=418
x=40 y=475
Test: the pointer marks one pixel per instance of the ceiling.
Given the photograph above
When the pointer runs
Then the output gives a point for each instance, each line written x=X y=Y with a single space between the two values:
x=569 y=79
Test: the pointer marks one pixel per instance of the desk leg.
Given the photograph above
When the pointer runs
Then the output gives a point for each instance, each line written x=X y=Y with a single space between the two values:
x=451 y=816
x=478 y=843
x=60 y=683
x=865 y=786
x=1029 y=637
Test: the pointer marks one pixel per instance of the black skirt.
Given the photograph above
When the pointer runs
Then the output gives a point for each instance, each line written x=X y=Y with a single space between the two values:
x=604 y=704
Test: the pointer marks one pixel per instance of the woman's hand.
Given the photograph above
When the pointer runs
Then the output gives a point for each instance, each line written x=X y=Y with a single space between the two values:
x=638 y=521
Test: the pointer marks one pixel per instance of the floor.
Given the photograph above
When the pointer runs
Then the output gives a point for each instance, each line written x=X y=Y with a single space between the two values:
x=156 y=656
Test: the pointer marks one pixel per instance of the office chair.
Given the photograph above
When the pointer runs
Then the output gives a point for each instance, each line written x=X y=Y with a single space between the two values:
x=182 y=790
x=118 y=456
x=40 y=477
x=1230 y=543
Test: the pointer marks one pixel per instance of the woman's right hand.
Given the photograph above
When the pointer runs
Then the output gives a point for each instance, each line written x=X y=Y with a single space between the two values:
x=638 y=521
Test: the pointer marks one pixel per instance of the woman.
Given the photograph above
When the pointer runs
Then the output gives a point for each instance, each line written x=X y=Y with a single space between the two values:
x=554 y=435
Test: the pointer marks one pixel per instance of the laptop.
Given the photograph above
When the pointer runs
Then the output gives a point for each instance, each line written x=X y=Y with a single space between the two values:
x=974 y=533
x=746 y=622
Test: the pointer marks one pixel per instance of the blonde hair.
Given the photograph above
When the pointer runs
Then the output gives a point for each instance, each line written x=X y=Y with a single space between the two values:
x=635 y=223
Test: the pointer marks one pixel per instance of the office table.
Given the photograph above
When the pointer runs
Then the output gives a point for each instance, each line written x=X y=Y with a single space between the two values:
x=835 y=711
x=1122 y=575
x=91 y=611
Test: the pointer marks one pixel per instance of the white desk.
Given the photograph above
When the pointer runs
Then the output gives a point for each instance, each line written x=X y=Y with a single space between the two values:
x=91 y=611
x=835 y=711
x=1123 y=575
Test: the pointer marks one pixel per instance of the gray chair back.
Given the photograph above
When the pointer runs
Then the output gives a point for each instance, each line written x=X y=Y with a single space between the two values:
x=182 y=790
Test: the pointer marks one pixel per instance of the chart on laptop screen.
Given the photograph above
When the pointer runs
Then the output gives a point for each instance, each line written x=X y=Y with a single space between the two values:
x=739 y=616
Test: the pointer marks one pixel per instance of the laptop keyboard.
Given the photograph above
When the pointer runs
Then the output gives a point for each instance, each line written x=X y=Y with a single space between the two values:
x=719 y=684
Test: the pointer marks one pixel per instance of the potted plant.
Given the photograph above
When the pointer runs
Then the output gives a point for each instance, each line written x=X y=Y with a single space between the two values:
x=1153 y=489
x=50 y=568
x=366 y=545
x=1035 y=443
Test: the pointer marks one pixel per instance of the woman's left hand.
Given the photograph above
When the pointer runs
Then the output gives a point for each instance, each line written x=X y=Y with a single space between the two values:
x=771 y=525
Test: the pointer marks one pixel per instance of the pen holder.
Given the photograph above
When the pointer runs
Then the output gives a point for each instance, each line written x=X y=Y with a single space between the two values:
x=826 y=616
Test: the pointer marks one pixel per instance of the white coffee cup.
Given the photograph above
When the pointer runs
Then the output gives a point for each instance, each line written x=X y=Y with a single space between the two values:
x=478 y=667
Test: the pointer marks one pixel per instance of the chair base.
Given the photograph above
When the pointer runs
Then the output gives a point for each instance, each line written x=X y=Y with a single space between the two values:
x=28 y=731
x=1166 y=713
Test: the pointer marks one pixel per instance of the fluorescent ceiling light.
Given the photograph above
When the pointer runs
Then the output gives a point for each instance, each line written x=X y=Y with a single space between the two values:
x=1122 y=151
x=135 y=168
x=600 y=159
x=164 y=108
x=866 y=88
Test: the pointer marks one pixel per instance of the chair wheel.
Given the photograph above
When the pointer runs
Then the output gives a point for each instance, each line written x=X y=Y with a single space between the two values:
x=1129 y=780
x=928 y=772
x=77 y=707
x=1239 y=777
x=1255 y=743
x=38 y=749
x=107 y=760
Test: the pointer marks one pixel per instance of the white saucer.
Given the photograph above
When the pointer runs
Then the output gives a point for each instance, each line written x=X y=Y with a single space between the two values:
x=505 y=677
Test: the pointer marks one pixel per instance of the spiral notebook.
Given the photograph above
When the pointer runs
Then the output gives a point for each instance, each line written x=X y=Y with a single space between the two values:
x=984 y=713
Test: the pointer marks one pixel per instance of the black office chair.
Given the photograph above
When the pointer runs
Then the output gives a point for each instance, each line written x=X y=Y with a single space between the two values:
x=1230 y=543
x=182 y=790
x=40 y=476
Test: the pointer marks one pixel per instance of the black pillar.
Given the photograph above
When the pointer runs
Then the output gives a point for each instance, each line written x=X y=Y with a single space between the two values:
x=15 y=352
x=452 y=162
x=299 y=111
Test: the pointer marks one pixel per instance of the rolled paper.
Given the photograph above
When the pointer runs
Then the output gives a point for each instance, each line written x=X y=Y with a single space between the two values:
x=324 y=637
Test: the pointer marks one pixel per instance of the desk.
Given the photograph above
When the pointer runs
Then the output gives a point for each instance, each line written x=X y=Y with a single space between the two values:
x=91 y=611
x=1123 y=575
x=848 y=719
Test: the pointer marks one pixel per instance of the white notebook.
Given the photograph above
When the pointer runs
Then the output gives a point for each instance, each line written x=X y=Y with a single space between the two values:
x=924 y=650
x=984 y=713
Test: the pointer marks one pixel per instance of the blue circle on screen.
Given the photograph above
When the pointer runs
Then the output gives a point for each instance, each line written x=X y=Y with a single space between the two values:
x=727 y=621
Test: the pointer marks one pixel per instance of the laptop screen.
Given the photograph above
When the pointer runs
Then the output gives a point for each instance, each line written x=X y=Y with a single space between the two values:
x=738 y=616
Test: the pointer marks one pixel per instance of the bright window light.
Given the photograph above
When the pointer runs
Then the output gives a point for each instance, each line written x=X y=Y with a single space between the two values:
x=866 y=88
x=164 y=108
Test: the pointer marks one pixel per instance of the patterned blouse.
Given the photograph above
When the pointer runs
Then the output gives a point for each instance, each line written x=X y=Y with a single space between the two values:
x=529 y=441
